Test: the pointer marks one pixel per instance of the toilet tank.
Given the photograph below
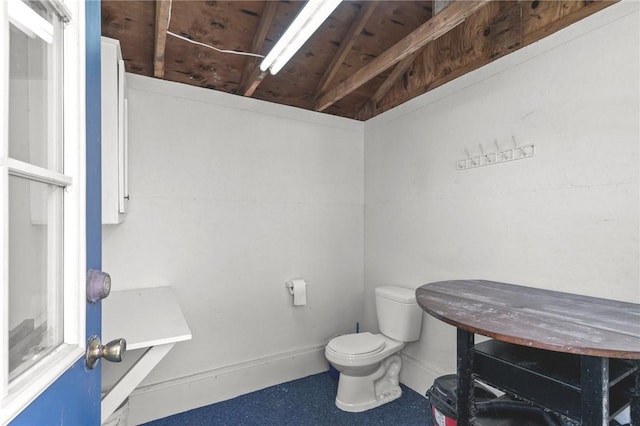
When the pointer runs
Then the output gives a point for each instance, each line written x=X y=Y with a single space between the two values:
x=399 y=316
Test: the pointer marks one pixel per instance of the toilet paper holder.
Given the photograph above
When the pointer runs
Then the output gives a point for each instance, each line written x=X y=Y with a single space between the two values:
x=289 y=285
x=297 y=288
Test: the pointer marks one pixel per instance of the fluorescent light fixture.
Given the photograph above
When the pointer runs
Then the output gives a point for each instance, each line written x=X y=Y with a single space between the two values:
x=306 y=23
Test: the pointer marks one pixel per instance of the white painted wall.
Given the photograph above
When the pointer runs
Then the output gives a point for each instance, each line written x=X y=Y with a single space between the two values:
x=568 y=219
x=230 y=198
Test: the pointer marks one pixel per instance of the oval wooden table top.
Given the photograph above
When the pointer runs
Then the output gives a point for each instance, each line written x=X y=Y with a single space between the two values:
x=544 y=319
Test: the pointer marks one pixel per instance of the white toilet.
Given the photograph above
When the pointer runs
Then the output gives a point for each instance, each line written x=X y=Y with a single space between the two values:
x=369 y=364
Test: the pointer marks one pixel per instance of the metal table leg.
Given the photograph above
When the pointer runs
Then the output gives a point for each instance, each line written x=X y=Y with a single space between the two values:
x=465 y=391
x=594 y=381
x=635 y=397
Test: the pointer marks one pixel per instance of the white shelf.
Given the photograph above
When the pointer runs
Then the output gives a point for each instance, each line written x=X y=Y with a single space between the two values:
x=146 y=318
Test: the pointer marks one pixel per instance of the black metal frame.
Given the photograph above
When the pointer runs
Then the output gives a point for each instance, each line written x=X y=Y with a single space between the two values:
x=580 y=387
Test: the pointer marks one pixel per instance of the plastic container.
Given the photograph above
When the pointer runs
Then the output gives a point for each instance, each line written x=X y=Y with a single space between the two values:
x=491 y=410
x=444 y=399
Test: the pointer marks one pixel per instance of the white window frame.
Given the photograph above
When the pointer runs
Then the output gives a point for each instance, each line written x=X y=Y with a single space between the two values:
x=17 y=395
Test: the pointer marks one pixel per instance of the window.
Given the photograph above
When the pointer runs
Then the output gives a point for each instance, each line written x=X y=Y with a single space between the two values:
x=42 y=265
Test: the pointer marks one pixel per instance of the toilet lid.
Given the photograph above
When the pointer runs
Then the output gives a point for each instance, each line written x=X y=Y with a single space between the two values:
x=357 y=344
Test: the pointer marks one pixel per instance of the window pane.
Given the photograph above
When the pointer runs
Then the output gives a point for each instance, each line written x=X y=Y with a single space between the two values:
x=35 y=107
x=35 y=272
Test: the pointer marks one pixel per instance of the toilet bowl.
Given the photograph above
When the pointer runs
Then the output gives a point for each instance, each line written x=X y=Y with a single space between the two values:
x=369 y=364
x=368 y=371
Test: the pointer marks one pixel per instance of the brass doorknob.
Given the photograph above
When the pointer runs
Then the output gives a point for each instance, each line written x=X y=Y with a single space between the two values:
x=113 y=351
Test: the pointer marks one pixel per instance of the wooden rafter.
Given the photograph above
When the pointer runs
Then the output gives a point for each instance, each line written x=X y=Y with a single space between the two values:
x=399 y=70
x=508 y=26
x=562 y=18
x=255 y=79
x=453 y=15
x=366 y=10
x=162 y=25
x=395 y=75
x=386 y=86
x=250 y=77
x=499 y=28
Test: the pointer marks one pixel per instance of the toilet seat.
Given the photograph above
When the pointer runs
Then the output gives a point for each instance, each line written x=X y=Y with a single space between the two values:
x=357 y=344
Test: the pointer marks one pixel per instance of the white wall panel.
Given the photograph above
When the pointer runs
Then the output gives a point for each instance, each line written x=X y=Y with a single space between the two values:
x=567 y=219
x=230 y=198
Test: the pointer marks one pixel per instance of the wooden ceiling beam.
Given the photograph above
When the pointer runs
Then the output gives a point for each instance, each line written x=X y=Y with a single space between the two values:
x=507 y=27
x=162 y=25
x=399 y=70
x=366 y=10
x=563 y=16
x=395 y=75
x=255 y=78
x=251 y=78
x=453 y=15
x=371 y=104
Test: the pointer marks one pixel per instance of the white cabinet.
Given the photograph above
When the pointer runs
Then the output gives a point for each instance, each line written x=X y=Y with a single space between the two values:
x=115 y=190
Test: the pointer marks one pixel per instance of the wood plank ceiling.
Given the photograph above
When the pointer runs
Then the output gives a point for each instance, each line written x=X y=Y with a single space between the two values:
x=368 y=57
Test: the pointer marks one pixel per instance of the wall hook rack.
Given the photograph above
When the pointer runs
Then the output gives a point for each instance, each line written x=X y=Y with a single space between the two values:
x=518 y=152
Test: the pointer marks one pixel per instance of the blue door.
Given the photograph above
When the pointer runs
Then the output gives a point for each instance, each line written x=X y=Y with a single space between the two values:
x=74 y=399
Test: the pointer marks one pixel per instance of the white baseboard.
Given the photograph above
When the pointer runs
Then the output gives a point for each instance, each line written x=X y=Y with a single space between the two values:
x=186 y=393
x=417 y=375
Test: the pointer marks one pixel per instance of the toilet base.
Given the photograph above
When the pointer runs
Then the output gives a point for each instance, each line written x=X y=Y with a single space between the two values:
x=361 y=393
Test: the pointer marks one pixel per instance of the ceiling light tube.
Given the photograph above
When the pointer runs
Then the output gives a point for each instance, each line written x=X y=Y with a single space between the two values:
x=314 y=13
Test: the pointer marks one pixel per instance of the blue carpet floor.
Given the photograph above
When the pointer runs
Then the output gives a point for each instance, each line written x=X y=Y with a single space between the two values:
x=307 y=401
